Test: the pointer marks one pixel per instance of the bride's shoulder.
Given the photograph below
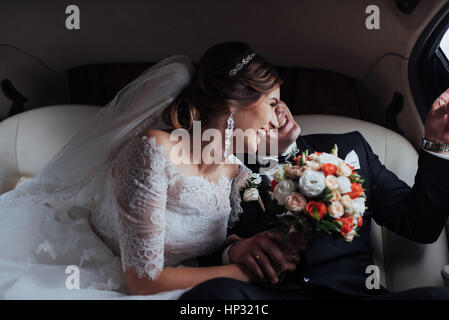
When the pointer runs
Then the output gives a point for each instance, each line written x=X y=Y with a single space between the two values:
x=158 y=139
x=161 y=137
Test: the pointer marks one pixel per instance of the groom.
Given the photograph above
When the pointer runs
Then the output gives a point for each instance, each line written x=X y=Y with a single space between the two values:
x=330 y=268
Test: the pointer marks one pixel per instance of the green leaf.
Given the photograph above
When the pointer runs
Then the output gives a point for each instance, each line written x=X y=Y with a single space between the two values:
x=315 y=214
x=330 y=225
x=326 y=195
x=324 y=228
x=302 y=160
x=355 y=177
x=335 y=150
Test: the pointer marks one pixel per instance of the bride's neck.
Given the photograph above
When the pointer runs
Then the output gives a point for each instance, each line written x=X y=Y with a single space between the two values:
x=213 y=134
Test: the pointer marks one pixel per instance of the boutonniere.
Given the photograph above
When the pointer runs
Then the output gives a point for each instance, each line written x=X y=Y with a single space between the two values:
x=250 y=189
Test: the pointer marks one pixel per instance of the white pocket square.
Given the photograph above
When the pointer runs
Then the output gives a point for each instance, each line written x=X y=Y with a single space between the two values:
x=353 y=160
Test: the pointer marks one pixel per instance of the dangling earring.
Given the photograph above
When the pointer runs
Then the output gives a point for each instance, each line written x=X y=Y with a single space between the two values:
x=228 y=134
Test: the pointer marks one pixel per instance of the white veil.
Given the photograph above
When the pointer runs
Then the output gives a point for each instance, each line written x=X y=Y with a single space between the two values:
x=39 y=215
x=136 y=107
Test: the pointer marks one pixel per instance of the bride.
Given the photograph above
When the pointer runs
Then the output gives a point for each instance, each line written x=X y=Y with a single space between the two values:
x=118 y=212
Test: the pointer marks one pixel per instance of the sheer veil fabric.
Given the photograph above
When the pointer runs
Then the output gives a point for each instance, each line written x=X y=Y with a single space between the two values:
x=44 y=223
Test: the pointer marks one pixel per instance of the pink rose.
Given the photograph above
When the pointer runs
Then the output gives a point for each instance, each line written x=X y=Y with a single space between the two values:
x=335 y=210
x=295 y=202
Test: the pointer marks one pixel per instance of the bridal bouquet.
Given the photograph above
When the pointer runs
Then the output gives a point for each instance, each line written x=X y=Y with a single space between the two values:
x=316 y=191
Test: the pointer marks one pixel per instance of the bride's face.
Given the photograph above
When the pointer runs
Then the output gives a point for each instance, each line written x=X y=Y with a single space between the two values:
x=255 y=120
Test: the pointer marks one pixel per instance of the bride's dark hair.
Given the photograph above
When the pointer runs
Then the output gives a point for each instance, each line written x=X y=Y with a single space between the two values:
x=213 y=88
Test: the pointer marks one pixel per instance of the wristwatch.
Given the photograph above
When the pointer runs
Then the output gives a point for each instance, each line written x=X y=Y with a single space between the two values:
x=434 y=146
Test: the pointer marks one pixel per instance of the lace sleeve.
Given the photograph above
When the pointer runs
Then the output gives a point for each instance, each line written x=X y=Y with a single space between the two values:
x=235 y=197
x=140 y=185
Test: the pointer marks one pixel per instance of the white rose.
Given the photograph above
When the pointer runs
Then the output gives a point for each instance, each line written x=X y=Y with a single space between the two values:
x=312 y=183
x=283 y=189
x=358 y=206
x=255 y=178
x=332 y=182
x=329 y=158
x=346 y=201
x=336 y=196
x=336 y=209
x=251 y=194
x=350 y=235
x=279 y=175
x=344 y=170
x=314 y=165
x=344 y=184
x=313 y=157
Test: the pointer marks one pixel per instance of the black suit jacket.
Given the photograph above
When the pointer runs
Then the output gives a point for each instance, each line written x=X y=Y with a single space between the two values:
x=418 y=214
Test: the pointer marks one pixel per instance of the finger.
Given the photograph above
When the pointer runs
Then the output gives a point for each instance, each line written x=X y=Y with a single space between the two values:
x=441 y=101
x=439 y=109
x=266 y=266
x=253 y=266
x=276 y=256
x=291 y=267
x=278 y=238
x=295 y=258
x=274 y=251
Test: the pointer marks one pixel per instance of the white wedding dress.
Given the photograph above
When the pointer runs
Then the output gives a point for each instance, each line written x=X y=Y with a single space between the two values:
x=148 y=213
x=136 y=210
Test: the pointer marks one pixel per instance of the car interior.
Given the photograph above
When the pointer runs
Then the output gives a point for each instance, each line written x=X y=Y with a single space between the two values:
x=339 y=76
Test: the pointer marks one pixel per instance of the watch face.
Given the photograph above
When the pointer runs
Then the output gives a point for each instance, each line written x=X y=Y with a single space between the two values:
x=427 y=145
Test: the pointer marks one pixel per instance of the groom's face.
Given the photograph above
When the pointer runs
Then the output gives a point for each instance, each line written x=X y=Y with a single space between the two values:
x=288 y=129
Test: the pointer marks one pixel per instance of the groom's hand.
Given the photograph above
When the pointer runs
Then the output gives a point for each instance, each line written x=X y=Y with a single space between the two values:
x=265 y=255
x=437 y=122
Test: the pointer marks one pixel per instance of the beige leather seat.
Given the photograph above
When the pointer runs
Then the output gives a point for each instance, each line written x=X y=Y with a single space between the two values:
x=29 y=140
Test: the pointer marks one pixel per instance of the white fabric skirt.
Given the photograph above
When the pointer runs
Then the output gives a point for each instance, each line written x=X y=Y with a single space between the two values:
x=48 y=254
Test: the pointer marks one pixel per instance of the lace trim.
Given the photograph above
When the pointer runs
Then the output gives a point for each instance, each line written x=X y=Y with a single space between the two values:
x=235 y=196
x=141 y=194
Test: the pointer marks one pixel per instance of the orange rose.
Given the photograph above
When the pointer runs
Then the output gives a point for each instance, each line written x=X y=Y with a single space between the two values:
x=329 y=169
x=356 y=190
x=347 y=225
x=319 y=206
x=359 y=222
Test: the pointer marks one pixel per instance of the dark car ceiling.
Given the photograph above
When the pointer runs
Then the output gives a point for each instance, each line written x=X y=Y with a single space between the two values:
x=36 y=50
x=318 y=34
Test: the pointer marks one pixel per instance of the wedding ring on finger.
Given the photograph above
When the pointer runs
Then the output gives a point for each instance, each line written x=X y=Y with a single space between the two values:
x=294 y=258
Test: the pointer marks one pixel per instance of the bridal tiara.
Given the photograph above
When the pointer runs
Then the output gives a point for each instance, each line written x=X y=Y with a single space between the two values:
x=241 y=64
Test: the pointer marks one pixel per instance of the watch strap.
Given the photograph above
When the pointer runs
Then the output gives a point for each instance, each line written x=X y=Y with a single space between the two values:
x=430 y=145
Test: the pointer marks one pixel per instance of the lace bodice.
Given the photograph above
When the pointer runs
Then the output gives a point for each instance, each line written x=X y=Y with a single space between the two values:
x=154 y=216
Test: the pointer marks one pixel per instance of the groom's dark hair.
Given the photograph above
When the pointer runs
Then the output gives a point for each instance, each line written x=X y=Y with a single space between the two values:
x=212 y=87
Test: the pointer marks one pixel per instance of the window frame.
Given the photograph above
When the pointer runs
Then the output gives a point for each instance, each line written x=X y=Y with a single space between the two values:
x=425 y=60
